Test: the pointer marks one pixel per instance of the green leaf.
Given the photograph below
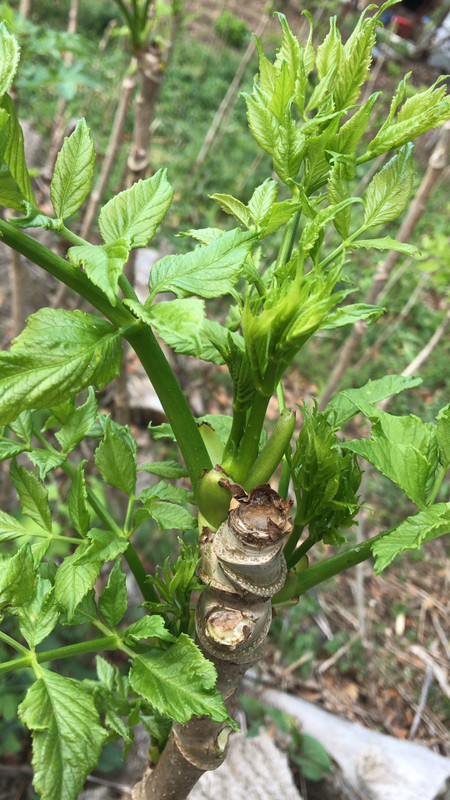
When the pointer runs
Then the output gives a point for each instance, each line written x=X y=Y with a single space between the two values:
x=284 y=90
x=14 y=155
x=45 y=460
x=348 y=137
x=135 y=214
x=146 y=628
x=115 y=457
x=232 y=206
x=77 y=425
x=262 y=200
x=11 y=528
x=77 y=501
x=350 y=314
x=167 y=491
x=261 y=122
x=389 y=191
x=23 y=427
x=346 y=404
x=113 y=601
x=17 y=577
x=180 y=324
x=179 y=682
x=289 y=150
x=209 y=271
x=9 y=449
x=67 y=735
x=443 y=435
x=330 y=51
x=165 y=469
x=312 y=758
x=402 y=448
x=169 y=516
x=386 y=243
x=39 y=615
x=33 y=495
x=338 y=191
x=57 y=355
x=356 y=58
x=103 y=264
x=410 y=534
x=78 y=572
x=73 y=173
x=9 y=58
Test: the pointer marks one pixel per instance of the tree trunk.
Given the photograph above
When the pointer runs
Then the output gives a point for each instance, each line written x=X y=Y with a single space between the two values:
x=25 y=8
x=436 y=165
x=242 y=566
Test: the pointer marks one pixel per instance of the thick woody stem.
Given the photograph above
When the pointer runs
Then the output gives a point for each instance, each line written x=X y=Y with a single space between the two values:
x=243 y=566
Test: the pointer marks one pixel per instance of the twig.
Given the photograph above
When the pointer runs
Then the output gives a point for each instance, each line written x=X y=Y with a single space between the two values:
x=441 y=633
x=336 y=656
x=422 y=703
x=438 y=672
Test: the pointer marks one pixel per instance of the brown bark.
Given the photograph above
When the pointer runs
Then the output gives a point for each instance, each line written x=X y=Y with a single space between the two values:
x=436 y=166
x=242 y=566
x=151 y=71
x=25 y=8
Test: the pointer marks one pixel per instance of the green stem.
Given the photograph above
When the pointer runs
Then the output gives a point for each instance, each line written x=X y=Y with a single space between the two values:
x=92 y=646
x=12 y=643
x=138 y=570
x=141 y=339
x=296 y=555
x=70 y=236
x=127 y=288
x=441 y=473
x=287 y=244
x=237 y=429
x=292 y=542
x=285 y=477
x=248 y=448
x=272 y=453
x=332 y=566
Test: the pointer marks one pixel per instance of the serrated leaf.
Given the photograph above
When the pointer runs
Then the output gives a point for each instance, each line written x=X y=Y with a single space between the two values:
x=73 y=173
x=346 y=404
x=9 y=58
x=209 y=271
x=33 y=495
x=443 y=435
x=146 y=628
x=386 y=243
x=11 y=528
x=79 y=571
x=57 y=355
x=180 y=324
x=167 y=491
x=168 y=516
x=9 y=449
x=65 y=724
x=79 y=422
x=105 y=672
x=113 y=600
x=14 y=155
x=389 y=191
x=39 y=615
x=339 y=190
x=135 y=214
x=290 y=50
x=289 y=150
x=262 y=200
x=414 y=531
x=165 y=469
x=350 y=314
x=261 y=122
x=103 y=265
x=179 y=682
x=356 y=58
x=330 y=51
x=348 y=137
x=115 y=457
x=23 y=427
x=404 y=449
x=17 y=577
x=77 y=501
x=45 y=460
x=284 y=90
x=279 y=214
x=233 y=206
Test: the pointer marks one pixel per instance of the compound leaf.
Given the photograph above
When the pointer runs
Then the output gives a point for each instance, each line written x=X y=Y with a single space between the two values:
x=74 y=170
x=428 y=524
